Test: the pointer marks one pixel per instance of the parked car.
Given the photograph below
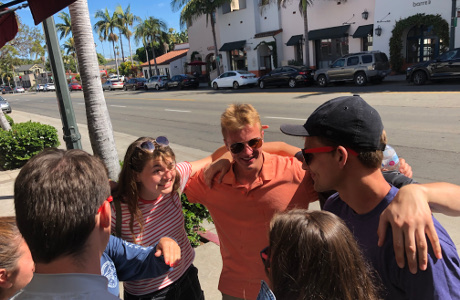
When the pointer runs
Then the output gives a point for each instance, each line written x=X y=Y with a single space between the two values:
x=359 y=68
x=40 y=87
x=157 y=82
x=134 y=84
x=112 y=85
x=7 y=90
x=117 y=77
x=5 y=105
x=49 y=87
x=74 y=86
x=444 y=66
x=19 y=89
x=291 y=76
x=182 y=81
x=234 y=79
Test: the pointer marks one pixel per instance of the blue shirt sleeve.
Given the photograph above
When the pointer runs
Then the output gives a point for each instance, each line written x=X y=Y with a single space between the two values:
x=134 y=262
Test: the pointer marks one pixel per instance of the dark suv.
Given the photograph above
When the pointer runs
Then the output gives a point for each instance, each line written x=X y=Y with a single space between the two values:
x=359 y=68
x=134 y=84
x=445 y=66
x=291 y=76
x=7 y=90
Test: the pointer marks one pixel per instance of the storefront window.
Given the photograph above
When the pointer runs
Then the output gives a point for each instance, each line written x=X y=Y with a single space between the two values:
x=329 y=50
x=367 y=43
x=238 y=60
x=422 y=44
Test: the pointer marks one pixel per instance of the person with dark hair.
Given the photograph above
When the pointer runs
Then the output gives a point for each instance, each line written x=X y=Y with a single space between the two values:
x=344 y=143
x=147 y=197
x=16 y=264
x=313 y=255
x=62 y=209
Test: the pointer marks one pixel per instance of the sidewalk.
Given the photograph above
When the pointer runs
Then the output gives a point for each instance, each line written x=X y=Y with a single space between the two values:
x=207 y=256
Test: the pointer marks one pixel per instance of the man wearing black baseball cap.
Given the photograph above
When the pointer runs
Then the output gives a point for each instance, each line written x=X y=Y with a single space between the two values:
x=344 y=140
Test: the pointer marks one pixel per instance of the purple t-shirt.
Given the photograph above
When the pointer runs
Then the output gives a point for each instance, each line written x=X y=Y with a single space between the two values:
x=441 y=280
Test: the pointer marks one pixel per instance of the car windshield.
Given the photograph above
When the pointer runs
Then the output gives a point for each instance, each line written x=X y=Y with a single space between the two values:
x=164 y=77
x=141 y=79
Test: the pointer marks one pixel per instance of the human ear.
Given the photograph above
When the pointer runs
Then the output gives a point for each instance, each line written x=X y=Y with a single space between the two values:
x=4 y=280
x=342 y=155
x=105 y=217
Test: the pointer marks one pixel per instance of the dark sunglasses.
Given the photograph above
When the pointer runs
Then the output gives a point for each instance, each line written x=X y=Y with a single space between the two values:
x=308 y=153
x=253 y=143
x=151 y=145
x=265 y=255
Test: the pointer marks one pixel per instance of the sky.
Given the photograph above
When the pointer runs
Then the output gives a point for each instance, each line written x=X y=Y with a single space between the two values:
x=160 y=9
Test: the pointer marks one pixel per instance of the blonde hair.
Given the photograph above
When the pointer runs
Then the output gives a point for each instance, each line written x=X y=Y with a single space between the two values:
x=10 y=240
x=237 y=116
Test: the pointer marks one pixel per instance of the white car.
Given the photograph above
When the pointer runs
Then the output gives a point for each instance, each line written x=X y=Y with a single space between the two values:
x=117 y=77
x=49 y=87
x=40 y=88
x=112 y=85
x=19 y=89
x=157 y=82
x=234 y=79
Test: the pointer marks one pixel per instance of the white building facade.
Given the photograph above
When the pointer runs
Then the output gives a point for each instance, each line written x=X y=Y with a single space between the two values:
x=258 y=38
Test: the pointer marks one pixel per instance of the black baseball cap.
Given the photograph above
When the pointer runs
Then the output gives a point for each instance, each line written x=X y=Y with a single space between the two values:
x=348 y=120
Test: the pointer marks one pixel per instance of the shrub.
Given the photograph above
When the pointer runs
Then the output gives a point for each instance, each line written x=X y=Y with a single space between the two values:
x=194 y=215
x=9 y=119
x=23 y=141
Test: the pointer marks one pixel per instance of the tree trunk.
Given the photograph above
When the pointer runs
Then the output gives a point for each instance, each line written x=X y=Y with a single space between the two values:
x=305 y=34
x=4 y=122
x=157 y=72
x=148 y=60
x=97 y=114
x=130 y=52
x=216 y=54
x=121 y=45
x=115 y=55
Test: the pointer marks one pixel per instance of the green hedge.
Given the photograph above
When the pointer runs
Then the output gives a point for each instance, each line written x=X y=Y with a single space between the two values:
x=23 y=141
x=194 y=215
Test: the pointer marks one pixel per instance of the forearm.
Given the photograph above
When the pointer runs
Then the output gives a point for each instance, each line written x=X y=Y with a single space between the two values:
x=280 y=148
x=443 y=197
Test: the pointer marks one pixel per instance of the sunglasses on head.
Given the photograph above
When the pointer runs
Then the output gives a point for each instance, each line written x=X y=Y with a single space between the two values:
x=253 y=143
x=109 y=199
x=265 y=256
x=151 y=145
x=308 y=153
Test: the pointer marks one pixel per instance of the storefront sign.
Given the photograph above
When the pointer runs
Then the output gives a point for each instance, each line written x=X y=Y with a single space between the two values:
x=421 y=3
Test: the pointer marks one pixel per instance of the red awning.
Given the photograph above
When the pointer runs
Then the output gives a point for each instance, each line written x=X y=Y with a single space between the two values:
x=8 y=27
x=42 y=9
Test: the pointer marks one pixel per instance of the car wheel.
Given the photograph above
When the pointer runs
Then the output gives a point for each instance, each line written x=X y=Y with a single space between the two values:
x=236 y=85
x=125 y=88
x=134 y=87
x=322 y=80
x=419 y=78
x=261 y=84
x=215 y=86
x=360 y=79
x=292 y=83
x=157 y=87
x=146 y=88
x=167 y=87
x=110 y=88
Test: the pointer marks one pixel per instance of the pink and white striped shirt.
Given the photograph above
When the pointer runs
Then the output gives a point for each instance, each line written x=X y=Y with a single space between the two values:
x=162 y=217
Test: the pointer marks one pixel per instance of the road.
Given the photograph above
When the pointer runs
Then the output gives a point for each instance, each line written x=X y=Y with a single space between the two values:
x=423 y=126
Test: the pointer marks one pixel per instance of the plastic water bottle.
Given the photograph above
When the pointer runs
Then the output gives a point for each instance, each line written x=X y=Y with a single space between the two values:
x=390 y=159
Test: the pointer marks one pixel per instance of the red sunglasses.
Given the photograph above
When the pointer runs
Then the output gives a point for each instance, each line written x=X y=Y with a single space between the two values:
x=109 y=199
x=265 y=256
x=308 y=153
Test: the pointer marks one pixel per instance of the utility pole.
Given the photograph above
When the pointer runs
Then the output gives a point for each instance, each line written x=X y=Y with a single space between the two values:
x=453 y=24
x=69 y=125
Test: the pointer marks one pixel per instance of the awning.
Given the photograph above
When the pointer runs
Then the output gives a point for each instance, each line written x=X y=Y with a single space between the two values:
x=232 y=46
x=8 y=27
x=42 y=9
x=294 y=40
x=364 y=31
x=329 y=33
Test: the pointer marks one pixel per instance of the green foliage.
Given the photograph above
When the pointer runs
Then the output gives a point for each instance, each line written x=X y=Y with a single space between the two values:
x=23 y=141
x=128 y=69
x=101 y=59
x=140 y=53
x=440 y=28
x=194 y=215
x=9 y=119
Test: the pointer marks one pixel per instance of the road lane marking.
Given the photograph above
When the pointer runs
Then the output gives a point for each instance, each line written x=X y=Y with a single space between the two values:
x=185 y=111
x=155 y=99
x=281 y=118
x=118 y=106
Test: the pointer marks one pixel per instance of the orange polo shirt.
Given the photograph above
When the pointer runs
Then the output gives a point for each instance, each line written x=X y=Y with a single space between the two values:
x=242 y=217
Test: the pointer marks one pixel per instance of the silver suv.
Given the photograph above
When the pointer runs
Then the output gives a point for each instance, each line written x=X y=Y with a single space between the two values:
x=157 y=82
x=359 y=67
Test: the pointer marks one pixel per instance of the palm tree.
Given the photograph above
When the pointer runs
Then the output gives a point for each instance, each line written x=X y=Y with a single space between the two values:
x=69 y=47
x=97 y=114
x=105 y=26
x=64 y=28
x=127 y=19
x=303 y=5
x=151 y=31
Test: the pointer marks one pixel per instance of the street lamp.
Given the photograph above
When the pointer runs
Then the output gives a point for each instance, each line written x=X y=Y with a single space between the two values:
x=365 y=14
x=378 y=31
